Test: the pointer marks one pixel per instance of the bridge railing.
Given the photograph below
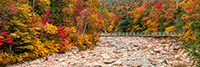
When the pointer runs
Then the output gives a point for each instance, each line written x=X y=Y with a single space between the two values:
x=160 y=34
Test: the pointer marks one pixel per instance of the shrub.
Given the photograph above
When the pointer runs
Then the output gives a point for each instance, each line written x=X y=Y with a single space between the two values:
x=192 y=45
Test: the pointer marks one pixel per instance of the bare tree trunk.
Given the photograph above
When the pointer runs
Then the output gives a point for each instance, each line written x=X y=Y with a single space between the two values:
x=85 y=27
x=33 y=6
x=10 y=46
x=177 y=1
x=73 y=11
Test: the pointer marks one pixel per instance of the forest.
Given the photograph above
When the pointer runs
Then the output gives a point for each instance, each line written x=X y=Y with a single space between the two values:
x=30 y=29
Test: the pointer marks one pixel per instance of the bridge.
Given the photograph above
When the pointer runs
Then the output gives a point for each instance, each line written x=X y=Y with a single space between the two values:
x=149 y=34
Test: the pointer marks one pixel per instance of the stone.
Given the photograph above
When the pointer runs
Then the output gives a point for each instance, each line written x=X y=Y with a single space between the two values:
x=118 y=63
x=177 y=57
x=109 y=61
x=129 y=49
x=98 y=43
x=163 y=41
x=116 y=51
x=128 y=63
x=163 y=52
x=83 y=56
x=151 y=52
x=44 y=65
x=56 y=59
x=157 y=61
x=105 y=56
x=149 y=46
x=123 y=50
x=148 y=65
x=157 y=50
x=107 y=65
x=126 y=55
x=120 y=54
x=135 y=48
x=179 y=64
x=112 y=44
x=171 y=47
x=61 y=59
x=123 y=47
x=88 y=64
x=130 y=43
x=73 y=49
x=135 y=45
x=125 y=59
x=155 y=54
x=166 y=48
x=177 y=47
x=180 y=51
x=64 y=63
x=96 y=65
x=69 y=53
x=136 y=65
x=175 y=44
x=149 y=57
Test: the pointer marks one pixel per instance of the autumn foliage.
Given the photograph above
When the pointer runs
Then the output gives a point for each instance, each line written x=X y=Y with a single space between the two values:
x=36 y=28
x=176 y=16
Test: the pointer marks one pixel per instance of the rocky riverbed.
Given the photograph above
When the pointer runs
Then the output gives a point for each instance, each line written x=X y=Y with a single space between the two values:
x=118 y=52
